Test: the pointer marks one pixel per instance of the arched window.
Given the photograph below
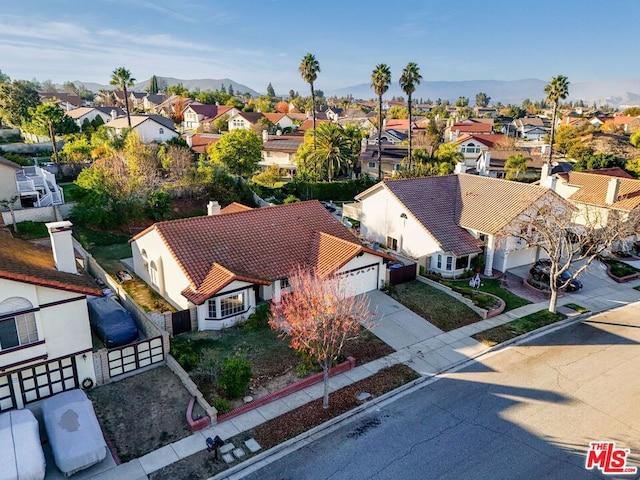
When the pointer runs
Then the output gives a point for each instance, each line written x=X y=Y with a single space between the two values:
x=153 y=273
x=17 y=328
x=145 y=260
x=161 y=131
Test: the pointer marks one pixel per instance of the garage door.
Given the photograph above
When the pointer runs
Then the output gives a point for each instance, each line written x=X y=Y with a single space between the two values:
x=361 y=280
x=7 y=401
x=48 y=379
x=517 y=258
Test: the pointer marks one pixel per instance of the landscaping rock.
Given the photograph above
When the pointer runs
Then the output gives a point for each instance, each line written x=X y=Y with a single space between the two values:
x=364 y=396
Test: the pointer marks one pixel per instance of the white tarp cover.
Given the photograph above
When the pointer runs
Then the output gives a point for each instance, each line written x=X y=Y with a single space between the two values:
x=73 y=430
x=21 y=456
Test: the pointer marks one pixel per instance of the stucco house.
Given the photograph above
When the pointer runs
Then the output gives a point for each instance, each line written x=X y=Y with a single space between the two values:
x=444 y=222
x=82 y=114
x=244 y=120
x=150 y=128
x=224 y=263
x=196 y=115
x=597 y=194
x=31 y=186
x=280 y=150
x=530 y=128
x=45 y=337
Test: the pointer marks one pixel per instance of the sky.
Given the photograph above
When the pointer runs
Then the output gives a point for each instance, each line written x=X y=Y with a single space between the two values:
x=257 y=42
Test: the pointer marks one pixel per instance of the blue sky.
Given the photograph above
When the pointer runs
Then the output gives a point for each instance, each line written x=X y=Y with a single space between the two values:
x=255 y=42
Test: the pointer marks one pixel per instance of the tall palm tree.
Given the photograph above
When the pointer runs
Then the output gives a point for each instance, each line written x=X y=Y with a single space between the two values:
x=122 y=78
x=380 y=80
x=408 y=80
x=557 y=89
x=309 y=69
x=333 y=149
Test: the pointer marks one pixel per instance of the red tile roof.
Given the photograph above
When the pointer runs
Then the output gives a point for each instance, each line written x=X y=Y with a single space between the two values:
x=475 y=127
x=234 y=208
x=258 y=245
x=489 y=140
x=28 y=263
x=308 y=124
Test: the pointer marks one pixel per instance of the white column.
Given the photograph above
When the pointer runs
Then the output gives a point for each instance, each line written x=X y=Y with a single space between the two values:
x=488 y=255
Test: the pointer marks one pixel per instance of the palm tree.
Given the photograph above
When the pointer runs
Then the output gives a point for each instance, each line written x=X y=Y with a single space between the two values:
x=556 y=89
x=380 y=80
x=333 y=148
x=309 y=69
x=408 y=80
x=516 y=165
x=122 y=78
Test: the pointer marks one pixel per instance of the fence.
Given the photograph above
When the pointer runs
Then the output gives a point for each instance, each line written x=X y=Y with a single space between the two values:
x=153 y=335
x=401 y=274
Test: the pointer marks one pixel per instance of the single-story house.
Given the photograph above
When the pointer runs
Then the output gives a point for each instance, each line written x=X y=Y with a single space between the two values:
x=223 y=264
x=444 y=222
x=82 y=114
x=150 y=128
x=45 y=337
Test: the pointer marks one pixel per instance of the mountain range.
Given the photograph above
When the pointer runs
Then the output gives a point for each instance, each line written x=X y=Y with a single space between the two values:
x=614 y=93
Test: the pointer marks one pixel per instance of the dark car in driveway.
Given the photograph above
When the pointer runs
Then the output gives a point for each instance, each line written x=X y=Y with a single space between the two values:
x=540 y=272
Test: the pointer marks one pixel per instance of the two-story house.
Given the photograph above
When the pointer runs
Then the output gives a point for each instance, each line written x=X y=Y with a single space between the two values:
x=45 y=337
x=150 y=128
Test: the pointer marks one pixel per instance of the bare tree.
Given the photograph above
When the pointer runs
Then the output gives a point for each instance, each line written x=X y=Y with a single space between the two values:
x=319 y=316
x=569 y=236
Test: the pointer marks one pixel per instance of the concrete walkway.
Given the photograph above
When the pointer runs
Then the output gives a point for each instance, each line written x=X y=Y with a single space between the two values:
x=418 y=344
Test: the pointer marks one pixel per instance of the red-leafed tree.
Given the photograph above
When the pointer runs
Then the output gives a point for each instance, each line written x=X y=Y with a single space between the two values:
x=282 y=107
x=320 y=316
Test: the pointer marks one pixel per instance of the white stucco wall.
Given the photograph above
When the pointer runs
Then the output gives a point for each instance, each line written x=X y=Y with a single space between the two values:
x=171 y=279
x=381 y=218
x=64 y=328
x=233 y=288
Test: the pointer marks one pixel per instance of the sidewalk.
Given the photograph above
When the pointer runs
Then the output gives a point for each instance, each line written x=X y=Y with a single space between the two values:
x=418 y=344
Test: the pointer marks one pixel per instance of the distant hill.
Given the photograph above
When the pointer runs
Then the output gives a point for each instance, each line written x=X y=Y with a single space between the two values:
x=202 y=84
x=612 y=92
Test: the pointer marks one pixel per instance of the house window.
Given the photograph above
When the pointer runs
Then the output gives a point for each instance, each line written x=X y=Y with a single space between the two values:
x=372 y=164
x=396 y=167
x=213 y=311
x=161 y=130
x=462 y=262
x=449 y=263
x=284 y=283
x=237 y=123
x=439 y=262
x=19 y=329
x=232 y=305
x=153 y=273
x=392 y=243
x=145 y=260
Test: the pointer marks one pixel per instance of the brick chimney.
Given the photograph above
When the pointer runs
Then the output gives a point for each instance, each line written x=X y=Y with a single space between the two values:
x=612 y=190
x=62 y=246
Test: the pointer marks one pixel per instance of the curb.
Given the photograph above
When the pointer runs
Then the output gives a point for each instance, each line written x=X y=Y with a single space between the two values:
x=273 y=454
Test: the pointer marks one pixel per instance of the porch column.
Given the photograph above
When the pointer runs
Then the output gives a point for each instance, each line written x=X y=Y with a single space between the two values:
x=488 y=255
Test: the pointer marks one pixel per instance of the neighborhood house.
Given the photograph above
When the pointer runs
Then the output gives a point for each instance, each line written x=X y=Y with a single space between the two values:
x=224 y=263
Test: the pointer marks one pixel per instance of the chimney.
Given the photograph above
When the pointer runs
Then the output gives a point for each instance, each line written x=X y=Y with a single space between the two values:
x=265 y=136
x=189 y=140
x=487 y=159
x=62 y=246
x=544 y=173
x=114 y=114
x=612 y=190
x=460 y=167
x=213 y=208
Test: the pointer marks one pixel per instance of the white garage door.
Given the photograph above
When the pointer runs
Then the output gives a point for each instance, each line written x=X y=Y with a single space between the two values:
x=361 y=280
x=517 y=258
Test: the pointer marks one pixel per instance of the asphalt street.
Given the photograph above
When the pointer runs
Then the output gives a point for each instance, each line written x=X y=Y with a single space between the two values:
x=525 y=412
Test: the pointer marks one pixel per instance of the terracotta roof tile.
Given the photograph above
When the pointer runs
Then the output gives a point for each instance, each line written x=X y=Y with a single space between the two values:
x=25 y=262
x=234 y=208
x=258 y=245
x=476 y=127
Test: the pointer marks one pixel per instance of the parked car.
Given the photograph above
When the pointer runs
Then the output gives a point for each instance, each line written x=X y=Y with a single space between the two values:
x=540 y=272
x=111 y=322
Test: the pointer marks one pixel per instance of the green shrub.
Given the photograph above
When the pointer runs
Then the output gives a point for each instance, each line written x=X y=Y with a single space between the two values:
x=259 y=318
x=183 y=352
x=291 y=199
x=302 y=370
x=28 y=230
x=221 y=405
x=235 y=376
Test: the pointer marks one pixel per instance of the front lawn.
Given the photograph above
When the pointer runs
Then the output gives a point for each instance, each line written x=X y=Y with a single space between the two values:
x=493 y=286
x=274 y=364
x=518 y=327
x=433 y=305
